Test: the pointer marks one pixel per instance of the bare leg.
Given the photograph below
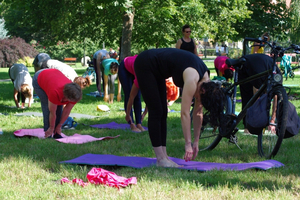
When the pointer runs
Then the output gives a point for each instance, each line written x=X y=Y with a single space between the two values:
x=162 y=159
x=134 y=128
x=165 y=152
x=111 y=98
x=140 y=127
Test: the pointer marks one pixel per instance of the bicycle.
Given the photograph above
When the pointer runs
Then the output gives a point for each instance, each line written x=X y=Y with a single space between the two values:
x=268 y=144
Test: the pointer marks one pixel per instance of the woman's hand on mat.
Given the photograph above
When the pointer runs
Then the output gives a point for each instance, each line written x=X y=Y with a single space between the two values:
x=188 y=152
x=191 y=151
x=119 y=98
x=106 y=98
x=49 y=132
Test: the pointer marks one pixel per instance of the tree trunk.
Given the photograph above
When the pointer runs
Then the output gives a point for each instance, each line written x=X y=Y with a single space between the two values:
x=125 y=48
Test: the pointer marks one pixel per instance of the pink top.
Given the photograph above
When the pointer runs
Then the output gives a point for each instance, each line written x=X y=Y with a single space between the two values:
x=221 y=65
x=52 y=81
x=129 y=65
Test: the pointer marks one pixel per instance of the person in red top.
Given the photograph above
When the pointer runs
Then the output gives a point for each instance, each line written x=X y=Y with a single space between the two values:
x=132 y=93
x=58 y=96
x=222 y=69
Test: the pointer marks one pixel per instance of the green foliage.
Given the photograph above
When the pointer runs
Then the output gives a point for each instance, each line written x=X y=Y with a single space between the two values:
x=265 y=17
x=69 y=49
x=3 y=31
x=295 y=25
x=235 y=53
x=156 y=23
x=12 y=49
x=27 y=61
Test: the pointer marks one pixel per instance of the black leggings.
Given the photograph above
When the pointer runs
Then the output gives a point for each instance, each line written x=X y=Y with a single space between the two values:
x=153 y=88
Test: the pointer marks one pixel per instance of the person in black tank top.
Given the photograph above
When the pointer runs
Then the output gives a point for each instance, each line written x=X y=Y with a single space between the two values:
x=187 y=43
x=188 y=71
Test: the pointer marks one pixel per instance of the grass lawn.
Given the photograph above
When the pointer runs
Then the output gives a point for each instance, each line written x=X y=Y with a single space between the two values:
x=30 y=167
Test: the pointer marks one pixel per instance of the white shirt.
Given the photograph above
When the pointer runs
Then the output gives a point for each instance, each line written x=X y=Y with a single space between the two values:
x=68 y=71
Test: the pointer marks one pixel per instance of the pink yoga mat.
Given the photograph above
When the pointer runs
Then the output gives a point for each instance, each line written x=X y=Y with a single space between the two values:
x=73 y=139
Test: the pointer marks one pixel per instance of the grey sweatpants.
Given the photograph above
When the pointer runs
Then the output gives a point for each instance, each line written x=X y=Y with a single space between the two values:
x=44 y=102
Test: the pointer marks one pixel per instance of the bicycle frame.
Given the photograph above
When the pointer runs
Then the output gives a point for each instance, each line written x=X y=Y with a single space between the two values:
x=231 y=91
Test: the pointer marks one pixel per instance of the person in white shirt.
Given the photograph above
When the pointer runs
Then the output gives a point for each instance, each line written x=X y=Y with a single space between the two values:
x=22 y=81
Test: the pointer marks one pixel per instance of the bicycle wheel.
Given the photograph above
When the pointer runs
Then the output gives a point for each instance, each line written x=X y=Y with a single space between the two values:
x=268 y=143
x=210 y=136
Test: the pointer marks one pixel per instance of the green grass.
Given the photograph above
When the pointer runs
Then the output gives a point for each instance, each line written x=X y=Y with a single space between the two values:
x=30 y=167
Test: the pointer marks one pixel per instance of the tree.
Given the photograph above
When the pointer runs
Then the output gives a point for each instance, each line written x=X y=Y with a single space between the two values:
x=295 y=25
x=266 y=17
x=138 y=23
x=3 y=31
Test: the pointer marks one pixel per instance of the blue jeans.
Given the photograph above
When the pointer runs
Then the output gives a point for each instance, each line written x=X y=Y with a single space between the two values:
x=126 y=79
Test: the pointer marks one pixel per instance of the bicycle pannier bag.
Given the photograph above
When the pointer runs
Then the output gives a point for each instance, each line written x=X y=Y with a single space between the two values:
x=257 y=117
x=292 y=123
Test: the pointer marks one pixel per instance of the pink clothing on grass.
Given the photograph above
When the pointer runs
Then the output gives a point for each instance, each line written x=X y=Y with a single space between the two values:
x=221 y=65
x=129 y=66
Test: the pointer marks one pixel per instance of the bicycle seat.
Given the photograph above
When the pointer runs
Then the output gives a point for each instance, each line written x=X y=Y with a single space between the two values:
x=235 y=62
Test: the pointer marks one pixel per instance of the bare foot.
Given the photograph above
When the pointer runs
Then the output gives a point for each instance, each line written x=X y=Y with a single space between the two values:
x=134 y=128
x=140 y=127
x=166 y=163
x=246 y=131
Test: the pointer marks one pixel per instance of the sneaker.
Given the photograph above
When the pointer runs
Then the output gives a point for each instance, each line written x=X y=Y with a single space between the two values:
x=57 y=136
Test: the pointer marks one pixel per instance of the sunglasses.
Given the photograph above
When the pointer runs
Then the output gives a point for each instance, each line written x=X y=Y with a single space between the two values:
x=188 y=31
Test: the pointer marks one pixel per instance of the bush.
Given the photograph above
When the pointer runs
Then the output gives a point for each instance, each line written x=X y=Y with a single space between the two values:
x=27 y=61
x=235 y=53
x=12 y=49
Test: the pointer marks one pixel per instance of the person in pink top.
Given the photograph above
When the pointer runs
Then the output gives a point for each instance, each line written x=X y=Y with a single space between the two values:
x=222 y=69
x=132 y=93
x=58 y=96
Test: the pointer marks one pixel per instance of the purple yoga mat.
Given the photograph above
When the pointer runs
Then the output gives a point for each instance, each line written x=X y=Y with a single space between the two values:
x=114 y=125
x=141 y=162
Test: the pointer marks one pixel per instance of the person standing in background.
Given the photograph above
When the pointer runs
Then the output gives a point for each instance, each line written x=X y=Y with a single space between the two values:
x=187 y=43
x=256 y=48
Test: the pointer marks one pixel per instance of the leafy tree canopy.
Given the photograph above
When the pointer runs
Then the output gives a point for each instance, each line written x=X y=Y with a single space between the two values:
x=157 y=23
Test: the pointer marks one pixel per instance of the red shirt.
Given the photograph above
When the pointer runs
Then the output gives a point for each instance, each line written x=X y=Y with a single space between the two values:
x=129 y=65
x=52 y=81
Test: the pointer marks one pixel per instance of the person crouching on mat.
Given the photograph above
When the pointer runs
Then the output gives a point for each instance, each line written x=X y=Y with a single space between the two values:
x=55 y=90
x=22 y=81
x=109 y=69
x=188 y=71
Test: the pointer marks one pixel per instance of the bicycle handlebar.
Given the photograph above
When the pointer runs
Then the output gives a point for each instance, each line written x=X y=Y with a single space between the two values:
x=278 y=49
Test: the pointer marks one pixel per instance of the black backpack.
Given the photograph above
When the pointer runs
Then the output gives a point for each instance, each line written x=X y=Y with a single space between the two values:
x=293 y=122
x=257 y=117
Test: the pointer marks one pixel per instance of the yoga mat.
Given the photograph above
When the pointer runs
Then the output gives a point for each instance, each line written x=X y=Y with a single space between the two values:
x=75 y=115
x=141 y=162
x=73 y=139
x=174 y=111
x=114 y=125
